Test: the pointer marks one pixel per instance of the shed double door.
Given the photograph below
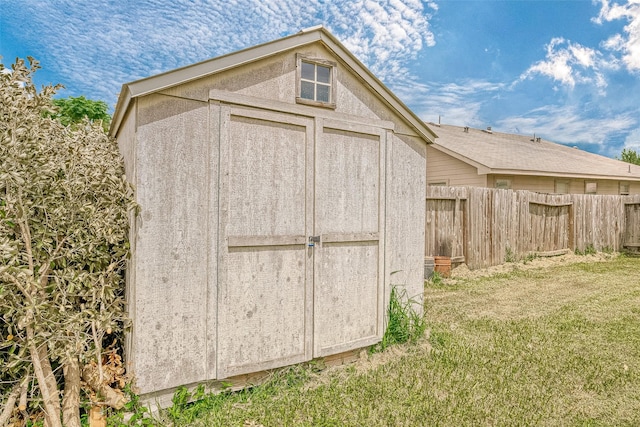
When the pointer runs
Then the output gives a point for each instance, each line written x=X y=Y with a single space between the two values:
x=301 y=250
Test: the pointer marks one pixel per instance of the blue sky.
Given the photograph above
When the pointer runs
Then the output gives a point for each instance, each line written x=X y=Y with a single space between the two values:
x=568 y=71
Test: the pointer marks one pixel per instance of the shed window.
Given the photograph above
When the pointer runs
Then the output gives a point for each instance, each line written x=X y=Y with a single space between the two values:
x=590 y=187
x=624 y=188
x=316 y=81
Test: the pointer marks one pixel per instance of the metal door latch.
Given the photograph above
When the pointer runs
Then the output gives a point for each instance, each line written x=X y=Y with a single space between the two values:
x=313 y=240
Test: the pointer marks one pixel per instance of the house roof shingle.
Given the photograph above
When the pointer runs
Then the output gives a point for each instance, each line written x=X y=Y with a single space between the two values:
x=513 y=154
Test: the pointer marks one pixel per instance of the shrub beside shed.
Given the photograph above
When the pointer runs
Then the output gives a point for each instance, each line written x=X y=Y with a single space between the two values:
x=279 y=187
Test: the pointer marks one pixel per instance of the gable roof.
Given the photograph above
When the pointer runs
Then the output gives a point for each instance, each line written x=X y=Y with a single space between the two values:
x=511 y=154
x=196 y=71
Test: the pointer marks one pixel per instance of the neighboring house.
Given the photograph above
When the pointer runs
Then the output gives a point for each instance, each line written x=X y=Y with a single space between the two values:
x=463 y=156
x=277 y=194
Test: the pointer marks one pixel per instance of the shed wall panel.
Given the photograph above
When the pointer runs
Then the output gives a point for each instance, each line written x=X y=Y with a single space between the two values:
x=173 y=169
x=127 y=142
x=405 y=224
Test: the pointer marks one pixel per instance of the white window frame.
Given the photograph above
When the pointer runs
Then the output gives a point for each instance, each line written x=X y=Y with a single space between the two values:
x=560 y=182
x=332 y=81
x=624 y=187
x=506 y=179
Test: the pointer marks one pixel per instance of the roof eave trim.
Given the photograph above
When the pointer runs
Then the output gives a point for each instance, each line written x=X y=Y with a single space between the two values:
x=201 y=69
x=236 y=59
x=562 y=174
x=124 y=99
x=218 y=64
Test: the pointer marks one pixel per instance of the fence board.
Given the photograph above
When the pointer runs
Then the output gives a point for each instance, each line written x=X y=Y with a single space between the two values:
x=484 y=224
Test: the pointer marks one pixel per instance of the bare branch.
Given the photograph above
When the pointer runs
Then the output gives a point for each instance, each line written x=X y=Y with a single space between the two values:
x=53 y=257
x=12 y=279
x=26 y=232
x=96 y=342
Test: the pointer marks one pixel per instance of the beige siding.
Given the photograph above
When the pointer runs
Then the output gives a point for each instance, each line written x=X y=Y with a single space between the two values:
x=634 y=187
x=538 y=184
x=608 y=187
x=444 y=168
x=547 y=185
x=271 y=78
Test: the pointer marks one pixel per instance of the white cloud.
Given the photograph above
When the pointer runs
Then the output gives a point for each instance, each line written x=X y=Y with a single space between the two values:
x=632 y=141
x=627 y=44
x=569 y=64
x=109 y=42
x=455 y=104
x=568 y=125
x=383 y=34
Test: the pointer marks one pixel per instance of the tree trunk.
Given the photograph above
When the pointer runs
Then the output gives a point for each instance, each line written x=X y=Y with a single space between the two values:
x=46 y=381
x=71 y=399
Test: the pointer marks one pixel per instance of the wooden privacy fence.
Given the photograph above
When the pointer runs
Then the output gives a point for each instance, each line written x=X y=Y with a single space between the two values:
x=484 y=226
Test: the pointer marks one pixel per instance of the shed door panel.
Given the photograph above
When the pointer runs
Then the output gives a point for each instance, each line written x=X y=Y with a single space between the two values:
x=348 y=264
x=264 y=300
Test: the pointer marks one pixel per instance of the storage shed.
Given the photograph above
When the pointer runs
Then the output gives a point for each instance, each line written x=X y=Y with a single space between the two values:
x=279 y=188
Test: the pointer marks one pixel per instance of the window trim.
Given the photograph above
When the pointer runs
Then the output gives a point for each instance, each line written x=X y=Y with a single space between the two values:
x=626 y=184
x=507 y=178
x=562 y=182
x=300 y=58
x=588 y=184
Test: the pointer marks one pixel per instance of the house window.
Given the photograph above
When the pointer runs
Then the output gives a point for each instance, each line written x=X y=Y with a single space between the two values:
x=562 y=187
x=624 y=188
x=590 y=187
x=503 y=183
x=438 y=184
x=316 y=82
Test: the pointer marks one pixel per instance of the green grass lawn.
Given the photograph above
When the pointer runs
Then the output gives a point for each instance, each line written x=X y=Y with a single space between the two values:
x=557 y=346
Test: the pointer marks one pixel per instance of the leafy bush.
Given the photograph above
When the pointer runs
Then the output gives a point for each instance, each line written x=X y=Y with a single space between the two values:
x=64 y=206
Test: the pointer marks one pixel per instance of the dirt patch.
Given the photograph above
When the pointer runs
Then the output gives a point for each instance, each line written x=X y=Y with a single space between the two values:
x=367 y=362
x=498 y=295
x=463 y=272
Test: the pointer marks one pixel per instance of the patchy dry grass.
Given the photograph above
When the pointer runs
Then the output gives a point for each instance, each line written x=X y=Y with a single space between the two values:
x=550 y=346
